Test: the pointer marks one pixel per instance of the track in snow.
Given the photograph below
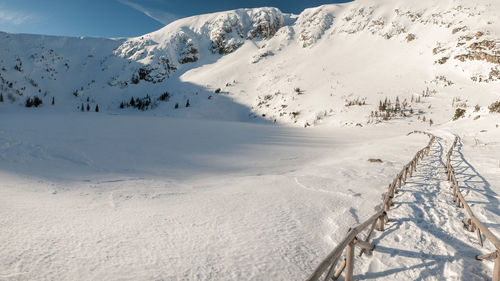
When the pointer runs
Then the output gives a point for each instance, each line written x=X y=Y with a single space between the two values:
x=424 y=238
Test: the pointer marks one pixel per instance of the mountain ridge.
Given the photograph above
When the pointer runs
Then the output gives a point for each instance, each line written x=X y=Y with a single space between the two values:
x=441 y=44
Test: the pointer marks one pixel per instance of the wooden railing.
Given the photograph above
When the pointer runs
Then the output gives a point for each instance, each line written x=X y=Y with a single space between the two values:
x=378 y=219
x=473 y=224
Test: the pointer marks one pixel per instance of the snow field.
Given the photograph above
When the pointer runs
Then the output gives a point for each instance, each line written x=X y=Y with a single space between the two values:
x=237 y=201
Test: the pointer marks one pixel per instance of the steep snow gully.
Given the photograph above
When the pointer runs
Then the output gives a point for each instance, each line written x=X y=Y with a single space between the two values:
x=425 y=238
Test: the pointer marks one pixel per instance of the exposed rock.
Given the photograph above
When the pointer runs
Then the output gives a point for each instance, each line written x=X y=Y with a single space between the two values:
x=458 y=29
x=312 y=24
x=410 y=37
x=443 y=60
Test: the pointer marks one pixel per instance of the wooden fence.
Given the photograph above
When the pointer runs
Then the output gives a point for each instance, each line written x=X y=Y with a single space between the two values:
x=473 y=224
x=327 y=267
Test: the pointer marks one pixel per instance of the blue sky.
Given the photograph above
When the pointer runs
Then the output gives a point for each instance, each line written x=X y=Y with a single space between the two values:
x=118 y=18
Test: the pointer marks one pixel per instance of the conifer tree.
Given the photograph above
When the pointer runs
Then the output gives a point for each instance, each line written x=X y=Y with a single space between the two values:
x=187 y=103
x=88 y=107
x=96 y=108
x=1 y=97
x=82 y=108
x=53 y=101
x=29 y=102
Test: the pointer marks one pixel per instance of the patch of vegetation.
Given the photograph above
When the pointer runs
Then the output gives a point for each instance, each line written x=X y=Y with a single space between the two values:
x=143 y=103
x=459 y=113
x=298 y=91
x=494 y=107
x=387 y=109
x=164 y=97
x=356 y=101
x=33 y=102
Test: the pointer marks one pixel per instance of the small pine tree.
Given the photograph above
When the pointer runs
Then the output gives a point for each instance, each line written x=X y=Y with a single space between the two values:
x=122 y=105
x=1 y=98
x=29 y=102
x=37 y=101
x=88 y=107
x=53 y=101
x=423 y=119
x=176 y=106
x=431 y=122
x=96 y=108
x=187 y=103
x=132 y=101
x=82 y=108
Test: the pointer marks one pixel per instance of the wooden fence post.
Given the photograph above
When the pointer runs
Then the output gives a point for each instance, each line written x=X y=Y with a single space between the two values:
x=349 y=261
x=381 y=222
x=496 y=269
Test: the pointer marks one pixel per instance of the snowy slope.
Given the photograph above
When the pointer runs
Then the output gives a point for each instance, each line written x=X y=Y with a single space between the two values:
x=220 y=192
x=294 y=69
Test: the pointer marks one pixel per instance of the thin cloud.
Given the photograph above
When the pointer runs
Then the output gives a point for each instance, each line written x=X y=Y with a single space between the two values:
x=14 y=17
x=159 y=16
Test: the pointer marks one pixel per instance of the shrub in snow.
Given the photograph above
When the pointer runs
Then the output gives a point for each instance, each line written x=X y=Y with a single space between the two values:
x=164 y=97
x=36 y=101
x=139 y=103
x=356 y=101
x=494 y=107
x=459 y=113
x=29 y=102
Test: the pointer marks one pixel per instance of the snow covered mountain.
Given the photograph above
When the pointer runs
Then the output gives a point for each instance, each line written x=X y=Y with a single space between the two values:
x=126 y=194
x=331 y=64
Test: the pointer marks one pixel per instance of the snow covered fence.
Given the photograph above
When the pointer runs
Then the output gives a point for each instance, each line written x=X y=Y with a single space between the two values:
x=473 y=224
x=378 y=219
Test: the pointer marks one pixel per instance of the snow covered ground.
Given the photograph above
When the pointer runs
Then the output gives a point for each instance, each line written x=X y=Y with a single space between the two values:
x=83 y=198
x=219 y=180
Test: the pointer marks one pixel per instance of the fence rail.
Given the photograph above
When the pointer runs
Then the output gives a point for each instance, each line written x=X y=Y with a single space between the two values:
x=473 y=223
x=377 y=220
